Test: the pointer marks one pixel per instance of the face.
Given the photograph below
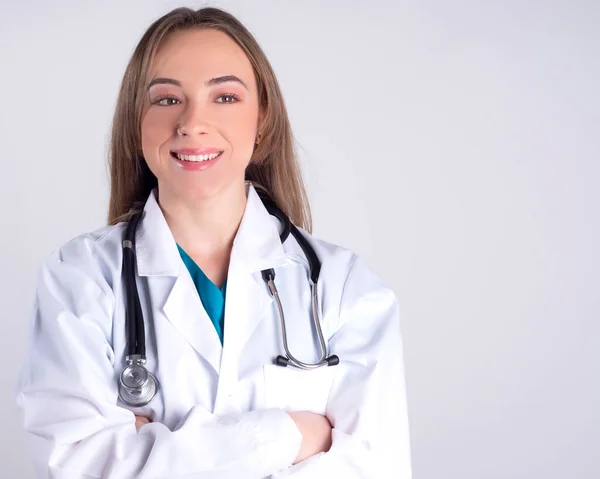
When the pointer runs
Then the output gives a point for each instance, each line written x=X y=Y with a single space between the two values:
x=201 y=101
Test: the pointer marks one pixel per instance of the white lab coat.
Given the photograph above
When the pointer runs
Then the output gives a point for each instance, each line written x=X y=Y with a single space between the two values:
x=219 y=410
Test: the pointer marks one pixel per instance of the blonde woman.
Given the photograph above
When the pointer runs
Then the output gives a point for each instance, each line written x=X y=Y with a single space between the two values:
x=205 y=332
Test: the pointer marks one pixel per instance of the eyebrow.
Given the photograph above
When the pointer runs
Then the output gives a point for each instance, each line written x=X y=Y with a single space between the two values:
x=211 y=82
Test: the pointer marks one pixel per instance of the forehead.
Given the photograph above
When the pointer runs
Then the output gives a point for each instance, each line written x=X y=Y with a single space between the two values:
x=199 y=54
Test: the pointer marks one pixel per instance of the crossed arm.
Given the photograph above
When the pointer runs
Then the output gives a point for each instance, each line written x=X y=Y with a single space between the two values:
x=75 y=428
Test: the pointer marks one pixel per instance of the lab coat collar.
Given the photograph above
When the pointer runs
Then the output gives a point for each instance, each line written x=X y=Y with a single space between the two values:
x=256 y=245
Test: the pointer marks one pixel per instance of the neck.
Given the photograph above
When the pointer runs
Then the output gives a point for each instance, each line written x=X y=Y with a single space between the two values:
x=204 y=227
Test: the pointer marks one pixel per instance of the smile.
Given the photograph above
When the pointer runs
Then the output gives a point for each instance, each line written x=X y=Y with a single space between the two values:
x=196 y=158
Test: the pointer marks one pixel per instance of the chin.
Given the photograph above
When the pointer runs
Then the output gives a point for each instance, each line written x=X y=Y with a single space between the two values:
x=204 y=190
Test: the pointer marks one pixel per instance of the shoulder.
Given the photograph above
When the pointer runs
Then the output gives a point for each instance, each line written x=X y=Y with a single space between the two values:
x=354 y=279
x=95 y=255
x=334 y=258
x=358 y=300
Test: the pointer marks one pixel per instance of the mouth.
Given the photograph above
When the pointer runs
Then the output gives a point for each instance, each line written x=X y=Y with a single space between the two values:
x=196 y=158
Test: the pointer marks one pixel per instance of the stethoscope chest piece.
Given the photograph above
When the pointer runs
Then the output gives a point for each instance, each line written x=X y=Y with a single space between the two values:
x=137 y=385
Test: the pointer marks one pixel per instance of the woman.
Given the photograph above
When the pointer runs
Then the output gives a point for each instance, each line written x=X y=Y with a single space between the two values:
x=200 y=130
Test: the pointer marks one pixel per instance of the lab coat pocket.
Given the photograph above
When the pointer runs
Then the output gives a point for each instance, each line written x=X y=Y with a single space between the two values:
x=297 y=390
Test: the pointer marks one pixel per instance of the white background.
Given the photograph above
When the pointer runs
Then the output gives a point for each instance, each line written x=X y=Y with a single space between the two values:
x=453 y=144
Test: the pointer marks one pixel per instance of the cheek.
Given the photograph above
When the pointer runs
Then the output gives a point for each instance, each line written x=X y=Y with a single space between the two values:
x=242 y=132
x=155 y=129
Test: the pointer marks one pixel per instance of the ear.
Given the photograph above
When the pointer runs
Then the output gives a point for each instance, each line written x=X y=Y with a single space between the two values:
x=261 y=122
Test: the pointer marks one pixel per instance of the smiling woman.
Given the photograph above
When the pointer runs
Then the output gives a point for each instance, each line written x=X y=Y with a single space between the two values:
x=205 y=192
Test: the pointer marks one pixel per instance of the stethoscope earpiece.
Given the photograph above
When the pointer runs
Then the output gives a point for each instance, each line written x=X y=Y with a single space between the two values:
x=333 y=360
x=282 y=361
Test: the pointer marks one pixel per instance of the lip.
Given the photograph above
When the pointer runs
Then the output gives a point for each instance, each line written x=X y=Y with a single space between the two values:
x=196 y=151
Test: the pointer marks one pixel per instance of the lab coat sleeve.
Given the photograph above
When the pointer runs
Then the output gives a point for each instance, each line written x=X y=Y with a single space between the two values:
x=67 y=393
x=367 y=403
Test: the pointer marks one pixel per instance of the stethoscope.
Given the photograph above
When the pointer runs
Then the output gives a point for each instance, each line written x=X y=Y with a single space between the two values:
x=137 y=385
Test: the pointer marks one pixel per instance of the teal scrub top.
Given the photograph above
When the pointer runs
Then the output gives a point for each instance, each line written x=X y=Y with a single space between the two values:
x=211 y=296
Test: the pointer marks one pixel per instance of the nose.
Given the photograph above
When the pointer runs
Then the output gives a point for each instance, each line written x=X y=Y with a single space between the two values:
x=194 y=120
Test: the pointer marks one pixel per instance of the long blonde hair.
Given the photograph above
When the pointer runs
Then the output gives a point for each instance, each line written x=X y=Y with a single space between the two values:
x=273 y=166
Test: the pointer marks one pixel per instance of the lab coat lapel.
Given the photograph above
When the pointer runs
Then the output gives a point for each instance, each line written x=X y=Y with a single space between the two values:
x=245 y=304
x=184 y=309
x=256 y=247
x=170 y=286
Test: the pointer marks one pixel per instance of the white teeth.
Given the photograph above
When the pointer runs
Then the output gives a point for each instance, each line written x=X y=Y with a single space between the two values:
x=197 y=157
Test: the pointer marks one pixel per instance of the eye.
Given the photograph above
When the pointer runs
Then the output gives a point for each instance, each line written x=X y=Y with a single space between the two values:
x=228 y=98
x=165 y=101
